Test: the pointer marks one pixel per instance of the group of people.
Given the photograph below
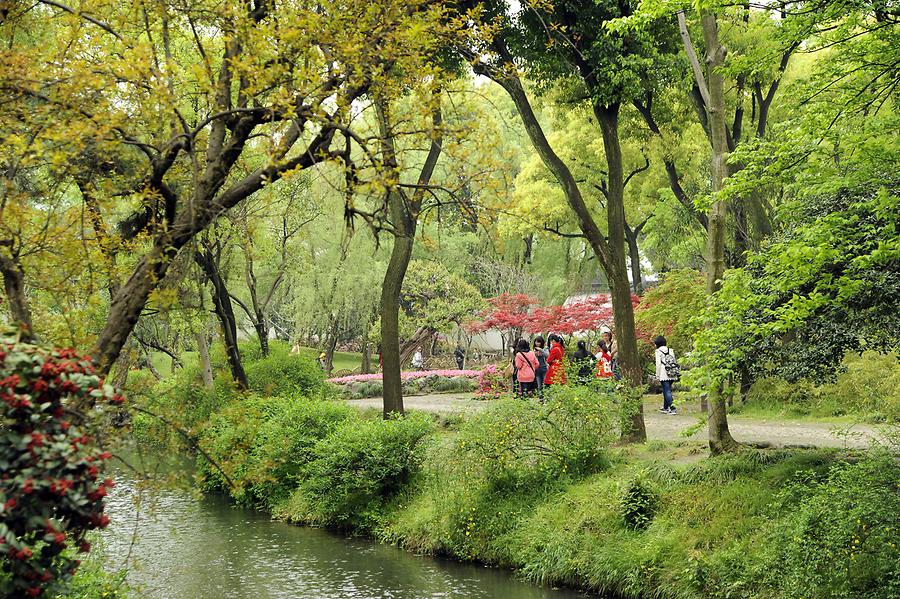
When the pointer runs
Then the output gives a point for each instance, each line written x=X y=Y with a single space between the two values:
x=536 y=366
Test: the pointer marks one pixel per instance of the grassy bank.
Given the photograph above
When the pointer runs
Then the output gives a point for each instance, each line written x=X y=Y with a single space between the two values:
x=540 y=490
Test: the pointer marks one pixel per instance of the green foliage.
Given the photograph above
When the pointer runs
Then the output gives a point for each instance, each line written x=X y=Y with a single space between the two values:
x=181 y=400
x=639 y=504
x=51 y=493
x=260 y=445
x=282 y=373
x=867 y=386
x=841 y=533
x=674 y=308
x=567 y=434
x=94 y=581
x=435 y=298
x=827 y=287
x=357 y=468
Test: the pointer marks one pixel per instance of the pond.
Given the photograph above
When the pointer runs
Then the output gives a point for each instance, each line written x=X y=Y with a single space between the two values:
x=185 y=547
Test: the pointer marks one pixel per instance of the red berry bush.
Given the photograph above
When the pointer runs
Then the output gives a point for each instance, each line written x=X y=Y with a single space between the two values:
x=51 y=487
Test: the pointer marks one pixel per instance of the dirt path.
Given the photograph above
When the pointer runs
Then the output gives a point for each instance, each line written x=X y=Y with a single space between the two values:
x=663 y=427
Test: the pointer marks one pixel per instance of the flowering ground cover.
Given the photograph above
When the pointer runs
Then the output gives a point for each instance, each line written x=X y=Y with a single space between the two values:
x=414 y=382
x=415 y=374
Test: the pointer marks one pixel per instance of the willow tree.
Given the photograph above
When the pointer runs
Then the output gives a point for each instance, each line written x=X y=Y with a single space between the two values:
x=179 y=95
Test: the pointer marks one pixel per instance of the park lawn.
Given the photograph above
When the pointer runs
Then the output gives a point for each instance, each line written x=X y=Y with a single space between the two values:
x=342 y=360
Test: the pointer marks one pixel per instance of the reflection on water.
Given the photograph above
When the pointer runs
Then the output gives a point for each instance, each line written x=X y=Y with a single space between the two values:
x=191 y=548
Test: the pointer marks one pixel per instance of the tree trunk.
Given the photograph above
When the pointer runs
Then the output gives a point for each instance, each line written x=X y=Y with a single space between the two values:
x=14 y=286
x=403 y=211
x=634 y=258
x=206 y=372
x=616 y=272
x=330 y=345
x=262 y=333
x=390 y=318
x=720 y=439
x=365 y=366
x=225 y=313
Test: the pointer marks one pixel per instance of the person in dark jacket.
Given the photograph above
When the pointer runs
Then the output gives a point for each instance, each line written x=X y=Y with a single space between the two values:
x=460 y=356
x=584 y=360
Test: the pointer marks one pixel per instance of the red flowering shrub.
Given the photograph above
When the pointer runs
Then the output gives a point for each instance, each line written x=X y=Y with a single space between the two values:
x=51 y=490
x=492 y=384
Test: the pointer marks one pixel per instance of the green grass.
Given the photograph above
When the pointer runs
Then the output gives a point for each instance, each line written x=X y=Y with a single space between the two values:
x=541 y=490
x=342 y=360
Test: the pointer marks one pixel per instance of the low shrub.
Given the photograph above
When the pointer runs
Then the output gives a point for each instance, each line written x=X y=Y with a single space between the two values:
x=840 y=535
x=284 y=373
x=257 y=447
x=180 y=400
x=567 y=434
x=356 y=469
x=869 y=386
x=639 y=503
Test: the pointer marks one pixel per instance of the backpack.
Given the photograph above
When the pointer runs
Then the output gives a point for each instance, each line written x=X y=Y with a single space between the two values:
x=673 y=370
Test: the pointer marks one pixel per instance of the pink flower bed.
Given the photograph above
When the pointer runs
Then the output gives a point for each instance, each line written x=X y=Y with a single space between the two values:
x=416 y=374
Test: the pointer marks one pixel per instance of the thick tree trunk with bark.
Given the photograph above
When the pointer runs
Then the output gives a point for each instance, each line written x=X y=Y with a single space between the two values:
x=623 y=310
x=404 y=212
x=225 y=313
x=14 y=286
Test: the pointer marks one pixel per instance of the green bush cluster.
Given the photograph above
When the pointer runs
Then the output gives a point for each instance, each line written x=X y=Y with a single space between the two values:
x=480 y=481
x=868 y=386
x=183 y=401
x=284 y=373
x=356 y=469
x=258 y=447
x=315 y=461
x=841 y=533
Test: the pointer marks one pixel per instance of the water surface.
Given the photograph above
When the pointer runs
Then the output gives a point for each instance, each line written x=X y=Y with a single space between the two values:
x=185 y=547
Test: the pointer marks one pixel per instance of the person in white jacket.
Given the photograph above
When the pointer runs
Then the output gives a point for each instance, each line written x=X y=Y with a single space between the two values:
x=663 y=355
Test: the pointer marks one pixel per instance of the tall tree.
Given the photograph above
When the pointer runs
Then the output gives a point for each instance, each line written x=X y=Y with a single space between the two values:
x=712 y=88
x=404 y=209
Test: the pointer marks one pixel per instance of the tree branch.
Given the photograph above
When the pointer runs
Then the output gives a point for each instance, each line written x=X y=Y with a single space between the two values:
x=81 y=15
x=636 y=171
x=692 y=57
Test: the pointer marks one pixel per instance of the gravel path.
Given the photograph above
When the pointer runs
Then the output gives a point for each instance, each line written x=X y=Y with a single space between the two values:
x=781 y=433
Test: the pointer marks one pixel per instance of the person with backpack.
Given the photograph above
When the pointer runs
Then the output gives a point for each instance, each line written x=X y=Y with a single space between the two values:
x=525 y=364
x=667 y=371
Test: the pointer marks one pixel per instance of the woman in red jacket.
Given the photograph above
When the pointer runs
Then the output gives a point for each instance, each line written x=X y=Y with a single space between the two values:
x=556 y=368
